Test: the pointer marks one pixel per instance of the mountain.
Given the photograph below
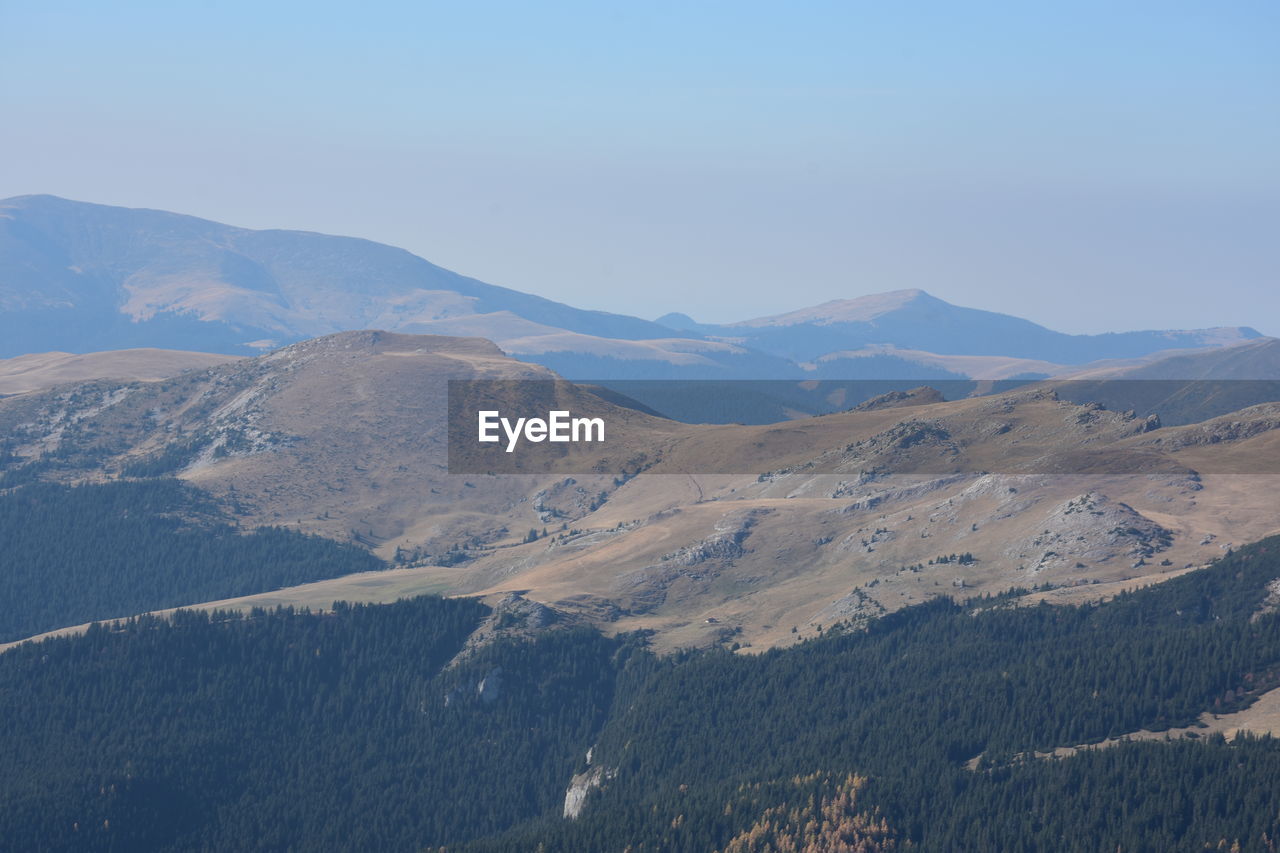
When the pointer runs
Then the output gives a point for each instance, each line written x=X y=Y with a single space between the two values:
x=683 y=323
x=80 y=276
x=1248 y=361
x=1186 y=387
x=687 y=530
x=344 y=435
x=914 y=320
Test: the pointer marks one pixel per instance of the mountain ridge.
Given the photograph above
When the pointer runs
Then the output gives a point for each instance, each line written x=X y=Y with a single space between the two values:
x=916 y=320
x=34 y=371
x=158 y=263
x=809 y=522
x=79 y=277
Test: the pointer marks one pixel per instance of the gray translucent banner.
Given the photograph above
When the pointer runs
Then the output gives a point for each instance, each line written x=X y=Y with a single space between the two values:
x=864 y=428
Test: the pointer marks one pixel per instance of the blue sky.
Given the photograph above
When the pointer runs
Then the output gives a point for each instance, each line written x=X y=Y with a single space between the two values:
x=1091 y=166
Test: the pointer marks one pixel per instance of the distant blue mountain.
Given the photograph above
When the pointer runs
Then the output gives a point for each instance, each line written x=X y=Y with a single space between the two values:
x=914 y=320
x=84 y=277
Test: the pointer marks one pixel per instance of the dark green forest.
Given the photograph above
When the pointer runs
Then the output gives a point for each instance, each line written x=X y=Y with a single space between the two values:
x=291 y=730
x=926 y=689
x=351 y=730
x=75 y=554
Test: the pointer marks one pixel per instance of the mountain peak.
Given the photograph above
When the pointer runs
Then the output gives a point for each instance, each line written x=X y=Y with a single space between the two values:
x=860 y=309
x=679 y=322
x=79 y=277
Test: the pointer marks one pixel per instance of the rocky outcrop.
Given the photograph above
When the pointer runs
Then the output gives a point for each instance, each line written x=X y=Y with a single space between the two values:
x=1092 y=528
x=922 y=396
x=1238 y=426
x=692 y=566
x=490 y=687
x=565 y=500
x=855 y=610
x=575 y=797
x=513 y=615
x=1270 y=604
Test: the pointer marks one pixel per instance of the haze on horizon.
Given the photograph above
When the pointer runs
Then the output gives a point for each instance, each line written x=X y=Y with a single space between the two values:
x=1097 y=168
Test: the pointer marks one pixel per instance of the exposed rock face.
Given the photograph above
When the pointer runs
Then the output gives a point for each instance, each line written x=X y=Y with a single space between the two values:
x=898 y=399
x=694 y=566
x=485 y=691
x=884 y=447
x=513 y=616
x=580 y=785
x=726 y=544
x=1241 y=425
x=1271 y=603
x=1092 y=528
x=490 y=687
x=565 y=500
x=872 y=495
x=855 y=609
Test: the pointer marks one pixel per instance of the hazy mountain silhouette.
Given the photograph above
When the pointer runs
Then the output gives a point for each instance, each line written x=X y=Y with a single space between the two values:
x=914 y=320
x=81 y=277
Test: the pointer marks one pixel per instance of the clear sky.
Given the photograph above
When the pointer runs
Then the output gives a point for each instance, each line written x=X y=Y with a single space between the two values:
x=1091 y=166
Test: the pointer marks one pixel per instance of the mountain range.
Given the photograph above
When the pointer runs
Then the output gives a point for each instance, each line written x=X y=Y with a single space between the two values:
x=259 y=570
x=914 y=320
x=81 y=277
x=688 y=530
x=822 y=493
